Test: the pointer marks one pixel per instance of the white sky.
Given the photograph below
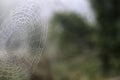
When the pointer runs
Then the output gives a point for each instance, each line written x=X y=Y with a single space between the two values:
x=49 y=6
x=81 y=7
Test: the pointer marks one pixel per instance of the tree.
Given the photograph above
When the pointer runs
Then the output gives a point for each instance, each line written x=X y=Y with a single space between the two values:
x=78 y=36
x=108 y=18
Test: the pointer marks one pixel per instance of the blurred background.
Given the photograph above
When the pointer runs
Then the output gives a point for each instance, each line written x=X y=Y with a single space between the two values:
x=83 y=41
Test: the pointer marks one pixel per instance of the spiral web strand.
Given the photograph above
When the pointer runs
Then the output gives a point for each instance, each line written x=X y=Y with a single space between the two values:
x=14 y=35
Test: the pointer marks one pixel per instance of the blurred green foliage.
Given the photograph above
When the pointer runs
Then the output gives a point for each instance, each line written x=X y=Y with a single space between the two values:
x=75 y=35
x=78 y=48
x=108 y=18
x=85 y=49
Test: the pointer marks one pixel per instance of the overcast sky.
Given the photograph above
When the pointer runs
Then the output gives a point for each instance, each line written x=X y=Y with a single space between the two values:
x=49 y=6
x=79 y=6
